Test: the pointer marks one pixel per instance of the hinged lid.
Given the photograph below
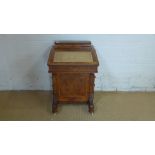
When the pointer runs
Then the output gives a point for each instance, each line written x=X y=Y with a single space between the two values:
x=72 y=53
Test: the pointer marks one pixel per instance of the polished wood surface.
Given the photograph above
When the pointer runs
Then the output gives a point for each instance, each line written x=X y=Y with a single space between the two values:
x=73 y=65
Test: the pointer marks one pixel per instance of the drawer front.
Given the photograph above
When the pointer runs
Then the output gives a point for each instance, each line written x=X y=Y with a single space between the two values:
x=73 y=87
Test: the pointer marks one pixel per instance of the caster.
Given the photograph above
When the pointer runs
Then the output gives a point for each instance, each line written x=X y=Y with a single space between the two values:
x=55 y=114
x=92 y=113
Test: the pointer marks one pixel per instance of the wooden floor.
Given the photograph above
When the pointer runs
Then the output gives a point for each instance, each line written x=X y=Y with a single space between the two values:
x=112 y=106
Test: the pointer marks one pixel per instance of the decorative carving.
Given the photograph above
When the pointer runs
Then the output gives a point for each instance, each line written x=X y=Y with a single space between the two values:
x=91 y=93
x=54 y=104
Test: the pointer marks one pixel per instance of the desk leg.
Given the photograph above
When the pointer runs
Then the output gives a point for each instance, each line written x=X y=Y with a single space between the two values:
x=55 y=102
x=91 y=94
x=91 y=104
x=54 y=105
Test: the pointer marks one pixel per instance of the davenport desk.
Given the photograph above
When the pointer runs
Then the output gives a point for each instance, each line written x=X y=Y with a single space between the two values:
x=73 y=65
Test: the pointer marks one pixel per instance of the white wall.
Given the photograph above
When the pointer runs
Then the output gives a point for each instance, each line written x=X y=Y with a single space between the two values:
x=127 y=62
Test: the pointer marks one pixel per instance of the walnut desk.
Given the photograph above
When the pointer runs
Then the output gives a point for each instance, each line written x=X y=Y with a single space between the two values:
x=73 y=65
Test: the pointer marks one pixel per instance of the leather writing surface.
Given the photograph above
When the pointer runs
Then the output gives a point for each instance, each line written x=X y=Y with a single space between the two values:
x=73 y=56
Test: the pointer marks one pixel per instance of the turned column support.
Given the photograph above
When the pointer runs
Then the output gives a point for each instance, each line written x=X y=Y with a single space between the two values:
x=55 y=101
x=54 y=105
x=91 y=94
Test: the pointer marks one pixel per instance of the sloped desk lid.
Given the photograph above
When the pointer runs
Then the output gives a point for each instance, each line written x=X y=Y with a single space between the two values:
x=73 y=53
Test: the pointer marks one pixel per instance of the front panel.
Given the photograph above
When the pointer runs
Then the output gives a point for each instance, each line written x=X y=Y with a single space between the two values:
x=73 y=87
